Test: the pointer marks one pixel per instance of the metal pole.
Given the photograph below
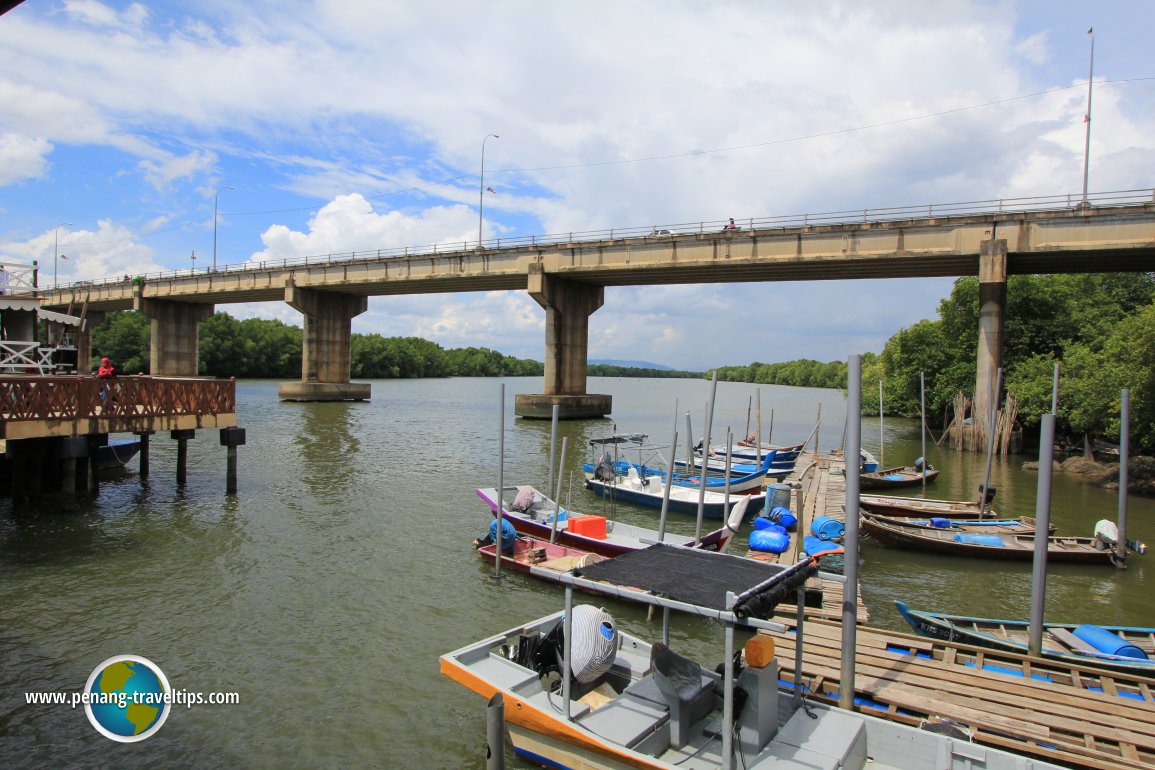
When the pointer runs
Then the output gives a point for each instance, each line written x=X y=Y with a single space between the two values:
x=669 y=477
x=728 y=690
x=770 y=433
x=500 y=480
x=495 y=733
x=557 y=516
x=56 y=254
x=481 y=189
x=705 y=457
x=1087 y=117
x=1042 y=532
x=553 y=446
x=1055 y=393
x=567 y=657
x=881 y=437
x=850 y=541
x=994 y=407
x=215 y=201
x=922 y=415
x=1124 y=455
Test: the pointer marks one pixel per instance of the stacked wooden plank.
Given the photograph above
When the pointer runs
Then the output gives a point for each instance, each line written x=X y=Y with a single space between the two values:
x=1076 y=715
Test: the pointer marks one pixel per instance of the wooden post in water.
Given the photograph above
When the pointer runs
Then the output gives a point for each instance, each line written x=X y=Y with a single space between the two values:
x=557 y=498
x=994 y=402
x=552 y=447
x=670 y=474
x=232 y=438
x=850 y=540
x=182 y=438
x=144 y=453
x=705 y=458
x=922 y=416
x=881 y=435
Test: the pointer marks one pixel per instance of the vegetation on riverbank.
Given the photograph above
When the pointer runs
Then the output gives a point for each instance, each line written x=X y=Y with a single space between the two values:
x=1099 y=328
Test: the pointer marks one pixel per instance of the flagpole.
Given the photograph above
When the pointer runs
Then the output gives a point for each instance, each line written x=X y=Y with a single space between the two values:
x=1087 y=117
x=481 y=189
x=56 y=255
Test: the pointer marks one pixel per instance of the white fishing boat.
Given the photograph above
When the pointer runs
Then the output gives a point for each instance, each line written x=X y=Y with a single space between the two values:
x=533 y=513
x=580 y=692
x=651 y=490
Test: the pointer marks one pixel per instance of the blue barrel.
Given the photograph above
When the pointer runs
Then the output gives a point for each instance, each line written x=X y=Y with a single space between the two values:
x=777 y=495
x=939 y=523
x=768 y=541
x=1105 y=641
x=784 y=517
x=826 y=528
x=980 y=538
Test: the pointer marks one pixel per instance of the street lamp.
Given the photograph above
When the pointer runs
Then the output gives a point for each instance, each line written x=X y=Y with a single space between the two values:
x=1087 y=117
x=215 y=200
x=56 y=254
x=481 y=189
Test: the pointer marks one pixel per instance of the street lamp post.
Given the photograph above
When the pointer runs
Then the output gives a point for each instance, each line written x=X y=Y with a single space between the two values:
x=1087 y=117
x=481 y=189
x=56 y=254
x=215 y=201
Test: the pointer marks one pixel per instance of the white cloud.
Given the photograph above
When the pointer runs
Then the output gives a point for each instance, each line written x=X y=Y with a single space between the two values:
x=22 y=157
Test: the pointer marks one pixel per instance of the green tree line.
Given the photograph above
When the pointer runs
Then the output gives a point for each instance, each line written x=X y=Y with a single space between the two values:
x=1099 y=329
x=258 y=348
x=613 y=370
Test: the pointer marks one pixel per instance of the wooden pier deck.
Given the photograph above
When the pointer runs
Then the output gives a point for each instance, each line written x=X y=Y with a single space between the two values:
x=822 y=494
x=1075 y=715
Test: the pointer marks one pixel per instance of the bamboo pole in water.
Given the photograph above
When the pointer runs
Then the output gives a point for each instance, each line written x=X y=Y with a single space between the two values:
x=985 y=503
x=850 y=541
x=669 y=478
x=1124 y=458
x=1042 y=529
x=552 y=446
x=881 y=436
x=922 y=415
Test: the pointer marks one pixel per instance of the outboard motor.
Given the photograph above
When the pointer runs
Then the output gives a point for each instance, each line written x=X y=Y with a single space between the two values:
x=595 y=642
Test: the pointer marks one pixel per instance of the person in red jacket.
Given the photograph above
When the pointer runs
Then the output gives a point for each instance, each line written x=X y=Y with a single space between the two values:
x=106 y=369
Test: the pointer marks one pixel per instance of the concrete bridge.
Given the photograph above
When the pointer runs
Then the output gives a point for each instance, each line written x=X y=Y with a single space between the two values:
x=566 y=274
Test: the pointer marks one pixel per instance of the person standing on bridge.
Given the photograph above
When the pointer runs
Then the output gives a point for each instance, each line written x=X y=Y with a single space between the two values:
x=106 y=370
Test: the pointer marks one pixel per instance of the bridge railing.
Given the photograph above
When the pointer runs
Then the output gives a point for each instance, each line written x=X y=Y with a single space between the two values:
x=75 y=398
x=661 y=231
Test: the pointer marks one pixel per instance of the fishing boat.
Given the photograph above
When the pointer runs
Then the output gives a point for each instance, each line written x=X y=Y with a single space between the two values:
x=1121 y=647
x=532 y=513
x=530 y=552
x=784 y=457
x=1024 y=525
x=578 y=691
x=900 y=476
x=717 y=468
x=918 y=506
x=651 y=490
x=749 y=479
x=1082 y=550
x=116 y=454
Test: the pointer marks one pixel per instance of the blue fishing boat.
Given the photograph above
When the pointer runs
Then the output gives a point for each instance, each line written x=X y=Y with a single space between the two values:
x=1123 y=647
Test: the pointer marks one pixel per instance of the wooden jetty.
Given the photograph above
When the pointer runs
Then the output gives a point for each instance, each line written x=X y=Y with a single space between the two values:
x=1070 y=714
x=821 y=494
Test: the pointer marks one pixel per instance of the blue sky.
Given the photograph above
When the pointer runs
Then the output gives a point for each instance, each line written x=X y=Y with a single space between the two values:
x=352 y=125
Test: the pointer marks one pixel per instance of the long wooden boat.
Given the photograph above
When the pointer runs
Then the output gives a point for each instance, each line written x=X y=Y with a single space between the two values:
x=581 y=692
x=1130 y=648
x=1084 y=550
x=746 y=480
x=891 y=478
x=530 y=552
x=918 y=506
x=650 y=490
x=532 y=513
x=1024 y=525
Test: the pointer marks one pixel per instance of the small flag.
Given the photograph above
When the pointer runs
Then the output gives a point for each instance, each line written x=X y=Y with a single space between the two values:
x=490 y=189
x=1086 y=118
x=62 y=256
x=1090 y=30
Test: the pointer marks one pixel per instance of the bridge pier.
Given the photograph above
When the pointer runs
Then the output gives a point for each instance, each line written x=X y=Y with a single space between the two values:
x=174 y=332
x=568 y=306
x=992 y=310
x=325 y=347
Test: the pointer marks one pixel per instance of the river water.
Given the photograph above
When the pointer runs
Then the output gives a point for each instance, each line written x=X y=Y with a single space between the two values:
x=325 y=590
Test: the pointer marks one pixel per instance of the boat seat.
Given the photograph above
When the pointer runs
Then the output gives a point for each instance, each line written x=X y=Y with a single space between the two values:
x=688 y=693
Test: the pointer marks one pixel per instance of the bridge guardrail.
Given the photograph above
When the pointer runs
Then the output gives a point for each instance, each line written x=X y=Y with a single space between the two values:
x=665 y=231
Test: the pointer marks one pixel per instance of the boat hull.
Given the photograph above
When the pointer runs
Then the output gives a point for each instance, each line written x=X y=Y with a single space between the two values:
x=893 y=478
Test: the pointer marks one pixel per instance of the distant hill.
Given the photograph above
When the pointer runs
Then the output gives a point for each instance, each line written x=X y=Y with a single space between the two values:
x=631 y=364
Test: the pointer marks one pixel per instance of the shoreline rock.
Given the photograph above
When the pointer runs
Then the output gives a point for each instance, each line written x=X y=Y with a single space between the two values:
x=1140 y=473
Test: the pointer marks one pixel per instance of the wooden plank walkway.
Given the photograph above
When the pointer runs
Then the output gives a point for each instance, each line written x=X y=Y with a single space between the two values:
x=1075 y=715
x=822 y=494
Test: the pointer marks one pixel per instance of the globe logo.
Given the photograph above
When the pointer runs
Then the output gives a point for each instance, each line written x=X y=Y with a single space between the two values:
x=127 y=698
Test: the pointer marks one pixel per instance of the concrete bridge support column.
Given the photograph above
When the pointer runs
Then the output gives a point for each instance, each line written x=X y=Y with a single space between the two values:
x=174 y=330
x=568 y=306
x=992 y=310
x=325 y=358
x=92 y=319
